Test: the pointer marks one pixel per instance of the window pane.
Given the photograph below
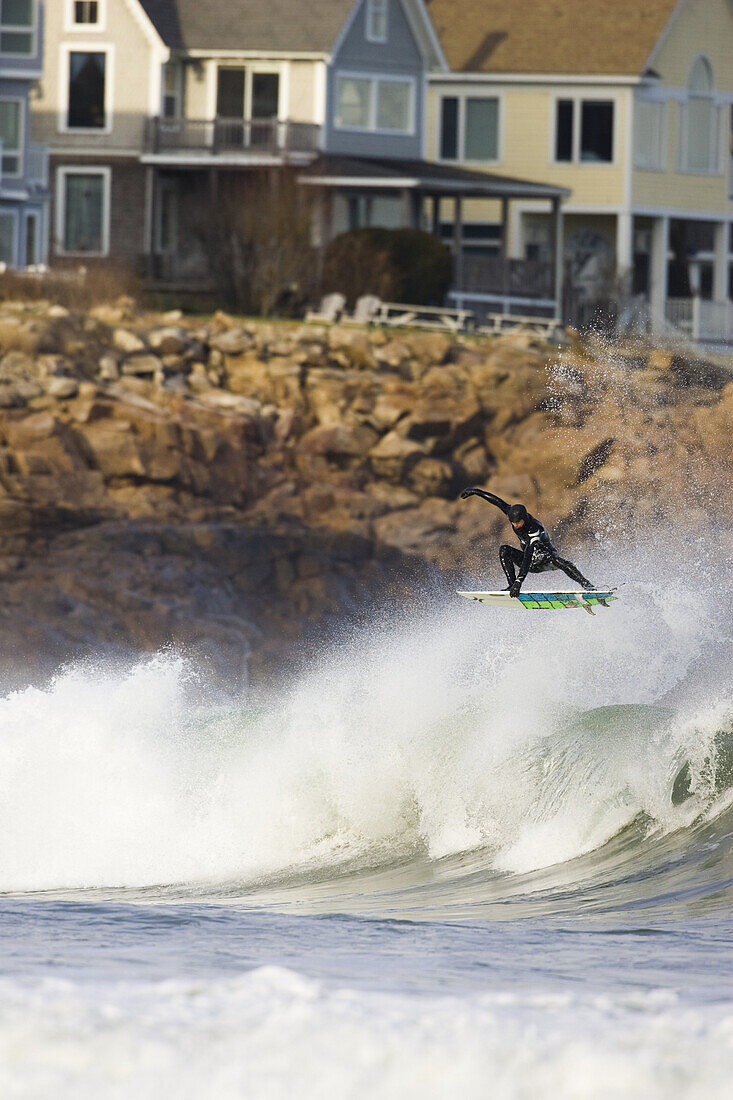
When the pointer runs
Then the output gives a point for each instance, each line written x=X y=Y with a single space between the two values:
x=699 y=133
x=10 y=124
x=377 y=20
x=482 y=129
x=86 y=11
x=17 y=42
x=86 y=90
x=230 y=93
x=84 y=200
x=17 y=13
x=564 y=130
x=449 y=129
x=596 y=131
x=353 y=102
x=7 y=226
x=265 y=95
x=393 y=105
x=31 y=236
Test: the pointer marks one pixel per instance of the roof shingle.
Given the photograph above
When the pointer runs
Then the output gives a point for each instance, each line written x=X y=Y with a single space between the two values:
x=569 y=37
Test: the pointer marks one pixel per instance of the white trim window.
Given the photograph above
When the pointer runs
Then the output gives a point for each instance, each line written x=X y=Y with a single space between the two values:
x=8 y=237
x=86 y=79
x=172 y=85
x=376 y=104
x=82 y=214
x=650 y=124
x=469 y=128
x=12 y=126
x=700 y=122
x=85 y=15
x=18 y=26
x=377 y=20
x=584 y=131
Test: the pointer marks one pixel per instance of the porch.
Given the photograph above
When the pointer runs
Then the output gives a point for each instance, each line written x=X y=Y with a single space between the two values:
x=406 y=193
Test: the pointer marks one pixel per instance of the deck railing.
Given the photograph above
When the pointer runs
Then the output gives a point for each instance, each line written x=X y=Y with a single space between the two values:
x=230 y=136
x=496 y=275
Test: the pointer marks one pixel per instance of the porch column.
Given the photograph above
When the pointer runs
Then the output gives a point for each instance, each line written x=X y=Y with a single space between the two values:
x=458 y=243
x=557 y=245
x=720 y=262
x=504 y=229
x=658 y=271
x=435 y=219
x=151 y=231
x=624 y=244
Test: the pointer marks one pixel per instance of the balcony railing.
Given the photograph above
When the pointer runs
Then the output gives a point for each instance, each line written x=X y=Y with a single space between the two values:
x=508 y=278
x=37 y=165
x=231 y=136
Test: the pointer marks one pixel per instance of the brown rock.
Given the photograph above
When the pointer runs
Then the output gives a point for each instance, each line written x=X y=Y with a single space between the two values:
x=126 y=341
x=168 y=341
x=340 y=440
x=430 y=477
x=142 y=365
x=393 y=454
x=232 y=341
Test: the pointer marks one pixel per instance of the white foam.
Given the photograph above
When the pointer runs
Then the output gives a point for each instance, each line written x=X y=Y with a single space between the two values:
x=277 y=1034
x=438 y=735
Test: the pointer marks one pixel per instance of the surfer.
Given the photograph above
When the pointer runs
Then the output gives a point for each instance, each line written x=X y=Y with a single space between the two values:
x=537 y=554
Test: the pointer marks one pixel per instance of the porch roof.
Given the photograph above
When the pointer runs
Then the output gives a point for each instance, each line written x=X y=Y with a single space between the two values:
x=331 y=170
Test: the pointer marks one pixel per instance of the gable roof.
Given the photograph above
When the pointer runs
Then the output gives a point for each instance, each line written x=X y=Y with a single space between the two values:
x=293 y=26
x=569 y=37
x=163 y=14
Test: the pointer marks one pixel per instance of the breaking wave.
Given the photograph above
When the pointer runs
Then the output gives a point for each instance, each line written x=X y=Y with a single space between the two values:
x=450 y=761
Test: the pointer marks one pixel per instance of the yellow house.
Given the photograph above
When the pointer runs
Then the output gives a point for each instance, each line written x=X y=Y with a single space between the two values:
x=629 y=105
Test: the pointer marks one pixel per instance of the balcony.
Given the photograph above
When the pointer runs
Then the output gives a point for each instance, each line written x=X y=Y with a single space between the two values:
x=231 y=139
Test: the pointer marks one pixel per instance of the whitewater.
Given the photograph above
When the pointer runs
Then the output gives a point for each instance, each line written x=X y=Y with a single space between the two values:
x=472 y=852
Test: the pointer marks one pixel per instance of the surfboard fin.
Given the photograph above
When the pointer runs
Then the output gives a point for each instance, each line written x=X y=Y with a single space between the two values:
x=588 y=609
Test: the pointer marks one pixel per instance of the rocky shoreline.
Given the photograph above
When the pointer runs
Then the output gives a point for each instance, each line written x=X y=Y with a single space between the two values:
x=236 y=488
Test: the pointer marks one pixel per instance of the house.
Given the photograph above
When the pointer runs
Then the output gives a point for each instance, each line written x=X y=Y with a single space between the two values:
x=154 y=109
x=629 y=106
x=23 y=163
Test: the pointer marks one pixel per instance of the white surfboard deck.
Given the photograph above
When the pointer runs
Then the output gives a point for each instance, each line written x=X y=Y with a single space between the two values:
x=545 y=601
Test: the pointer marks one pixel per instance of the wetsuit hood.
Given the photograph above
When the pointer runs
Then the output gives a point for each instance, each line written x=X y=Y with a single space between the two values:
x=517 y=513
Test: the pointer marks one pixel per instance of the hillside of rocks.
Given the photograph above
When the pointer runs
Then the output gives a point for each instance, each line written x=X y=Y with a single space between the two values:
x=238 y=488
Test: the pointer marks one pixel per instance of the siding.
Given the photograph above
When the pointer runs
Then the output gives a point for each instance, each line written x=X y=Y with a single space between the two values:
x=400 y=55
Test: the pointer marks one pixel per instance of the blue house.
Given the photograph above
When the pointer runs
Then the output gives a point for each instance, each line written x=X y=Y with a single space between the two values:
x=24 y=193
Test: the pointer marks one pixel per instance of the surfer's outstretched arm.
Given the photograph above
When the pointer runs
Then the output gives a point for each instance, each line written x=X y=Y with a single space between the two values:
x=492 y=498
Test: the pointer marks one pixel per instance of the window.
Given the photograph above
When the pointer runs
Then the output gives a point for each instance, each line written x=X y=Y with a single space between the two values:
x=469 y=128
x=374 y=103
x=700 y=121
x=87 y=90
x=17 y=26
x=172 y=90
x=11 y=136
x=83 y=211
x=376 y=20
x=8 y=224
x=86 y=12
x=584 y=131
x=265 y=95
x=649 y=124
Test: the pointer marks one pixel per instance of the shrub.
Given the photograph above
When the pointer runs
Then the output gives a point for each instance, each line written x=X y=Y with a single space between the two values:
x=77 y=288
x=405 y=264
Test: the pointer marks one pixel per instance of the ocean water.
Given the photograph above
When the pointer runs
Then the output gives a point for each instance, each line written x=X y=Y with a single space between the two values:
x=472 y=853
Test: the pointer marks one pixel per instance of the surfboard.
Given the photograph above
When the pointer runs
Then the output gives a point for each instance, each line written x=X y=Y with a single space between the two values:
x=545 y=601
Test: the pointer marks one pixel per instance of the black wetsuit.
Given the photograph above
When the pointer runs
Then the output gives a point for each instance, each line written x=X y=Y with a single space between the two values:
x=537 y=554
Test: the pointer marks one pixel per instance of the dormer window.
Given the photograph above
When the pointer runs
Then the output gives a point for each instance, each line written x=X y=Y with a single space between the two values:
x=376 y=20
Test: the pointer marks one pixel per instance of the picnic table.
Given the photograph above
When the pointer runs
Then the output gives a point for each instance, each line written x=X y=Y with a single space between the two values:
x=399 y=315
